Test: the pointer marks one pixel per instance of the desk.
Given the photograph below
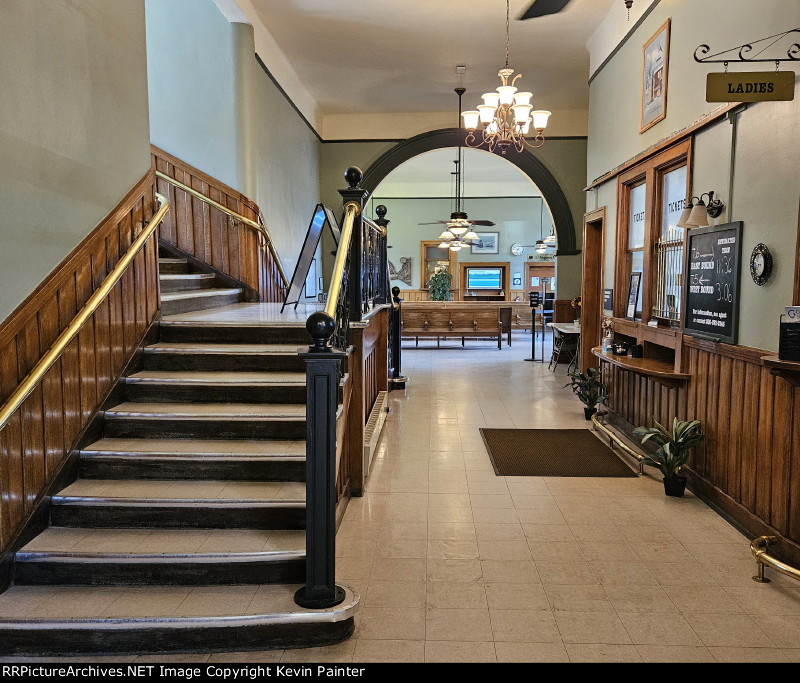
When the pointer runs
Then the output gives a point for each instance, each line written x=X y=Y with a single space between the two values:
x=570 y=333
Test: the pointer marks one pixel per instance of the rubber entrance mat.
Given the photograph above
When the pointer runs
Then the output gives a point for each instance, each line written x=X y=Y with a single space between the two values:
x=551 y=453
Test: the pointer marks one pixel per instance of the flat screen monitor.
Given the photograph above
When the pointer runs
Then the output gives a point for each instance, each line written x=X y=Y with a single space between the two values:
x=484 y=278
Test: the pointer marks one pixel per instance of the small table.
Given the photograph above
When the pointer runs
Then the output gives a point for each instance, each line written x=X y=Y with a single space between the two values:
x=569 y=332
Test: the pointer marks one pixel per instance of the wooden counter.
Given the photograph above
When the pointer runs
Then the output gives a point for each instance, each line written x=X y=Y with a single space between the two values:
x=787 y=369
x=659 y=370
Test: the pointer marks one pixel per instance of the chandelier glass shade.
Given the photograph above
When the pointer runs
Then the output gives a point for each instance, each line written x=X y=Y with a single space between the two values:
x=506 y=116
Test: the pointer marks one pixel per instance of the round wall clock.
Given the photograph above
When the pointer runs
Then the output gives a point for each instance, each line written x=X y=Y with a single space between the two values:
x=517 y=249
x=760 y=264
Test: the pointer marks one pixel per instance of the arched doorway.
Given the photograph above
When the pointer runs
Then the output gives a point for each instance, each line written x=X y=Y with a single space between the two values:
x=529 y=164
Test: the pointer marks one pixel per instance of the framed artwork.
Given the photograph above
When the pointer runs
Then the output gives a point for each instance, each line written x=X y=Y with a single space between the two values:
x=633 y=296
x=488 y=243
x=655 y=66
x=311 y=280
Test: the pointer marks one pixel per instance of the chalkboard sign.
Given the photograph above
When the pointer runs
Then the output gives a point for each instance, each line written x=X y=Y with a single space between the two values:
x=711 y=291
x=322 y=216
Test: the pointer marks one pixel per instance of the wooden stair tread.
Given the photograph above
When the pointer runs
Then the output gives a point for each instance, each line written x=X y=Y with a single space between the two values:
x=212 y=492
x=166 y=259
x=197 y=448
x=199 y=293
x=217 y=377
x=202 y=544
x=186 y=276
x=85 y=606
x=208 y=410
x=204 y=347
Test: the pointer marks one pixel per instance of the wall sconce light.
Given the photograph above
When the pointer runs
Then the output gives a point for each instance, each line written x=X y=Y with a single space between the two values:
x=696 y=213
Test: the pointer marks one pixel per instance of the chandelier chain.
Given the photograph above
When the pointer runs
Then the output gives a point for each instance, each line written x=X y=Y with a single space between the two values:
x=508 y=27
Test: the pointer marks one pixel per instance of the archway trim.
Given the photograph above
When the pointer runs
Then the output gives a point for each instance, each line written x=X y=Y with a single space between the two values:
x=529 y=164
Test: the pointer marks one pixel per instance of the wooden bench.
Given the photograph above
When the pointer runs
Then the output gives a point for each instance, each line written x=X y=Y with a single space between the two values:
x=441 y=322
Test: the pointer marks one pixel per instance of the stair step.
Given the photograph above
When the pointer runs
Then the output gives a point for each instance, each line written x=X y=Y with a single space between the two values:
x=223 y=357
x=111 y=503
x=206 y=421
x=95 y=557
x=294 y=335
x=194 y=459
x=181 y=302
x=55 y=620
x=181 y=282
x=172 y=266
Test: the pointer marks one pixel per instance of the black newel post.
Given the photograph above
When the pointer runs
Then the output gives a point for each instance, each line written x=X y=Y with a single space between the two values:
x=397 y=379
x=383 y=254
x=353 y=193
x=322 y=387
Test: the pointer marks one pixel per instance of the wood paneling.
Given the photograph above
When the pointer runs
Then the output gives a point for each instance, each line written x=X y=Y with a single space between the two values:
x=749 y=464
x=592 y=285
x=35 y=443
x=212 y=236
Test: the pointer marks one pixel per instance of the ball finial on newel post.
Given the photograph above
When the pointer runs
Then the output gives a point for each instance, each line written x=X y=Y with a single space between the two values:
x=380 y=210
x=321 y=328
x=353 y=176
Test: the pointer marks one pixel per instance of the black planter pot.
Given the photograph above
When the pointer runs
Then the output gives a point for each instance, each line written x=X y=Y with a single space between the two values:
x=588 y=412
x=675 y=486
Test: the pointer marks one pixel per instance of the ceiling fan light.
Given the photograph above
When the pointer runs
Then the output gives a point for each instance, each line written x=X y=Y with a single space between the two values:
x=471 y=235
x=491 y=99
x=471 y=119
x=458 y=230
x=455 y=247
x=486 y=113
x=521 y=113
x=446 y=235
x=523 y=98
x=550 y=239
x=444 y=245
x=507 y=94
x=540 y=118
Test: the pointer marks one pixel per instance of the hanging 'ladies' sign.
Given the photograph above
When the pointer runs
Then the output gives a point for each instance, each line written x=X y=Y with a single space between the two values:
x=752 y=86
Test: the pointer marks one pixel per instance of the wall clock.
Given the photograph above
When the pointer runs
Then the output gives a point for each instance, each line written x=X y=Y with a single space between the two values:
x=760 y=264
x=517 y=249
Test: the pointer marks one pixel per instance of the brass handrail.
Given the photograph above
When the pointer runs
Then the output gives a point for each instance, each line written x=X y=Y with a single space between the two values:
x=259 y=227
x=351 y=212
x=71 y=331
x=614 y=439
x=759 y=549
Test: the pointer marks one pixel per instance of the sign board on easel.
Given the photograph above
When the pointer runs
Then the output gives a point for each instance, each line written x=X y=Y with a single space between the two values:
x=322 y=216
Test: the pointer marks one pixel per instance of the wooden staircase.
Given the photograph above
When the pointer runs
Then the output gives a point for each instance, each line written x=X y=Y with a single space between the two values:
x=185 y=528
x=189 y=287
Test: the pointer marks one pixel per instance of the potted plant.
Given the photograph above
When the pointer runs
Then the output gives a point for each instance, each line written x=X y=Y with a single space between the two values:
x=589 y=388
x=439 y=286
x=673 y=450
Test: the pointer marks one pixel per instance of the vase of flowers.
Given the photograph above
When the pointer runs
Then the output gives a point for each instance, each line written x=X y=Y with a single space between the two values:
x=576 y=307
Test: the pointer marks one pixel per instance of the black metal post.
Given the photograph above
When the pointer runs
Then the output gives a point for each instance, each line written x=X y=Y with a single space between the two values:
x=353 y=193
x=383 y=255
x=322 y=398
x=397 y=379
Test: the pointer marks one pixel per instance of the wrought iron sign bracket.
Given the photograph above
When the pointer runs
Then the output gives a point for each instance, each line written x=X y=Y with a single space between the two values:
x=742 y=53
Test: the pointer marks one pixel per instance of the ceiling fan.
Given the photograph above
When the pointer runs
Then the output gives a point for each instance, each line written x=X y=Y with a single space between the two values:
x=541 y=8
x=458 y=232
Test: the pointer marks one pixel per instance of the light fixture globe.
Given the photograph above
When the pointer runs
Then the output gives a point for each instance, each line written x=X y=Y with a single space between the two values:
x=683 y=221
x=699 y=215
x=471 y=236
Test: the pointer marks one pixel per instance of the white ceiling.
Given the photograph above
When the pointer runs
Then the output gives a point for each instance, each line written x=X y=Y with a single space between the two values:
x=375 y=56
x=430 y=175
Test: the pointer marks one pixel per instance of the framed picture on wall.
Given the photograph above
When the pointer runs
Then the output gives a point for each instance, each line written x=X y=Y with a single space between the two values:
x=488 y=243
x=655 y=65
x=633 y=296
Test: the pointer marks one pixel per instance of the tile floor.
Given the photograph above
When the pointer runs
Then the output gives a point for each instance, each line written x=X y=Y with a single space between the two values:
x=456 y=564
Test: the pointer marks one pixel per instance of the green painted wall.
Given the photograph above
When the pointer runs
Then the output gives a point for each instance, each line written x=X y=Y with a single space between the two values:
x=74 y=134
x=214 y=106
x=761 y=187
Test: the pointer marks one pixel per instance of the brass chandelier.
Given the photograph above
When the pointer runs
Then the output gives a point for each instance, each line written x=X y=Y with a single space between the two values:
x=506 y=115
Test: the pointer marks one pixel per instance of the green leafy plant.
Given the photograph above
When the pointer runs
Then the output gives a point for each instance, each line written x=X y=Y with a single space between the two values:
x=588 y=387
x=439 y=286
x=673 y=445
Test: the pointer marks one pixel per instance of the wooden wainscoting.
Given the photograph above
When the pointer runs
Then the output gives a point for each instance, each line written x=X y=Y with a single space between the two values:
x=369 y=367
x=35 y=443
x=213 y=237
x=422 y=295
x=749 y=464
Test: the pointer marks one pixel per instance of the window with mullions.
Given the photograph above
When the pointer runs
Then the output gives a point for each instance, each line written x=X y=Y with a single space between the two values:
x=636 y=222
x=669 y=247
